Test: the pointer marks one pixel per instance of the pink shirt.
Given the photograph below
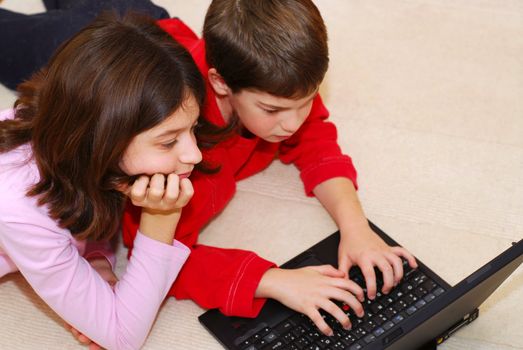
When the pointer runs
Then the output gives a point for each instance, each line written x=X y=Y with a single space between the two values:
x=54 y=264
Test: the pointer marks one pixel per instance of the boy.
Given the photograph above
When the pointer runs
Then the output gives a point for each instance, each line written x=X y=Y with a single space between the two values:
x=264 y=61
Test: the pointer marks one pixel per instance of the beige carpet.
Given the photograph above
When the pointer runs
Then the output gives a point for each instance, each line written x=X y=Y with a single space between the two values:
x=428 y=99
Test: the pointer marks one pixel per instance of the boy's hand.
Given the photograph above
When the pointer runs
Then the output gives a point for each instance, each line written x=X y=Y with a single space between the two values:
x=364 y=248
x=311 y=288
x=103 y=267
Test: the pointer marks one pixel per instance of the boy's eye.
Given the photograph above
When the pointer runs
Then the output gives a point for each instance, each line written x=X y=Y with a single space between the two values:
x=270 y=111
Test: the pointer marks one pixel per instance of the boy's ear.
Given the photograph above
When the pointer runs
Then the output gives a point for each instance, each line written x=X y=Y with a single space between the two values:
x=218 y=84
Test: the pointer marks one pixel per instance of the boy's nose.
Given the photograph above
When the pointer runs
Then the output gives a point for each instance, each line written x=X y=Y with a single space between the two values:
x=291 y=123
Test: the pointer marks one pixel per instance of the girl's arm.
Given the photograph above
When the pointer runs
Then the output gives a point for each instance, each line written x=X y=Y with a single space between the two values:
x=49 y=260
x=119 y=319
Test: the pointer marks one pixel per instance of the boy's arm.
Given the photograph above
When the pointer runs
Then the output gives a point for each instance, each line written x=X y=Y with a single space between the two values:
x=359 y=245
x=222 y=278
x=314 y=150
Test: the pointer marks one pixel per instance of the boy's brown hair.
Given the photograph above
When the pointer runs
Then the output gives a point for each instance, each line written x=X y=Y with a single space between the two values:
x=275 y=46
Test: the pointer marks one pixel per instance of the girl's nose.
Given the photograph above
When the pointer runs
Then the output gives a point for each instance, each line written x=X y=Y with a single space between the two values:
x=191 y=154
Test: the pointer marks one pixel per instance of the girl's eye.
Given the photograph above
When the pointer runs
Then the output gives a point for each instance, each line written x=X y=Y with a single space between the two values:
x=169 y=145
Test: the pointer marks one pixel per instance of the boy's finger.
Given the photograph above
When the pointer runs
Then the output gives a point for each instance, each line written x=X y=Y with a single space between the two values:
x=367 y=268
x=328 y=270
x=316 y=318
x=349 y=286
x=336 y=312
x=387 y=273
x=348 y=298
x=406 y=254
x=344 y=265
x=397 y=265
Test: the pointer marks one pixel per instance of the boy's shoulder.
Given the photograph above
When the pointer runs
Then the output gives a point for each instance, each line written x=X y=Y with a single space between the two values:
x=180 y=31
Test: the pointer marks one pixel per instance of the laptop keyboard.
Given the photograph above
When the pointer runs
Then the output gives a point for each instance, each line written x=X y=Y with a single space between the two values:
x=381 y=314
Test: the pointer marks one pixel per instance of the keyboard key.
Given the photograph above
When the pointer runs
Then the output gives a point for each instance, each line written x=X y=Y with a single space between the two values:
x=277 y=345
x=298 y=331
x=360 y=332
x=378 y=331
x=284 y=327
x=420 y=292
x=325 y=342
x=429 y=285
x=429 y=297
x=338 y=345
x=411 y=309
x=369 y=338
x=397 y=319
x=289 y=338
x=302 y=342
x=348 y=339
x=399 y=305
x=420 y=303
x=386 y=301
x=390 y=312
x=270 y=337
x=410 y=299
x=376 y=307
x=407 y=287
x=356 y=347
x=388 y=325
x=397 y=294
x=379 y=319
x=438 y=291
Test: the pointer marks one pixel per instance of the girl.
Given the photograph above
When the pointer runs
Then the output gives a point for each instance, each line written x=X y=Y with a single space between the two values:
x=118 y=102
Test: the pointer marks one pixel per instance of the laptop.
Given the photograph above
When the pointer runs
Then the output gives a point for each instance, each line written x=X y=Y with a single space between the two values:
x=421 y=312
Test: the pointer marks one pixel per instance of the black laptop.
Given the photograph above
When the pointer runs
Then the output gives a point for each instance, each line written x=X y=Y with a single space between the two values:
x=421 y=312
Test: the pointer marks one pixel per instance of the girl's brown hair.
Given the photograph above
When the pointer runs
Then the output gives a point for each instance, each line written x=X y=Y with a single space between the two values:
x=115 y=79
x=275 y=46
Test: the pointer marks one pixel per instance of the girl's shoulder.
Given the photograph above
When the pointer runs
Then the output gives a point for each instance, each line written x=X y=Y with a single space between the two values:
x=18 y=173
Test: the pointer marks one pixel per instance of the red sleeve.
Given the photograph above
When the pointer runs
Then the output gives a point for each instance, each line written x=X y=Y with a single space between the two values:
x=315 y=151
x=222 y=278
x=212 y=277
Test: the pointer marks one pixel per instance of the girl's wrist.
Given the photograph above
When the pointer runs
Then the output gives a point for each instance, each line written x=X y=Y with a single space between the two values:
x=158 y=225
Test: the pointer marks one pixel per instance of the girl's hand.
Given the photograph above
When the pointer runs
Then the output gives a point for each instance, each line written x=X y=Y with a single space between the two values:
x=364 y=248
x=103 y=267
x=160 y=193
x=311 y=288
x=162 y=199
